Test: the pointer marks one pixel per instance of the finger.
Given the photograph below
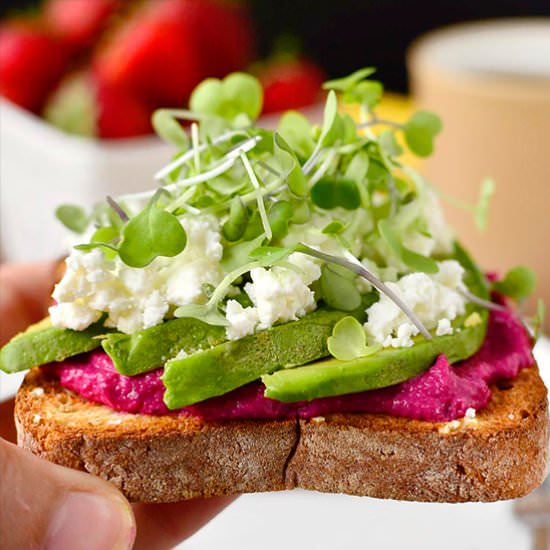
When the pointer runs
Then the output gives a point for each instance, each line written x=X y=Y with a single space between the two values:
x=7 y=425
x=162 y=526
x=25 y=291
x=43 y=505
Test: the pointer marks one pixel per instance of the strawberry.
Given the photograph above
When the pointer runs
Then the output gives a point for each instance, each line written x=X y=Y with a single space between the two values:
x=290 y=84
x=86 y=106
x=77 y=23
x=154 y=54
x=224 y=34
x=120 y=114
x=31 y=64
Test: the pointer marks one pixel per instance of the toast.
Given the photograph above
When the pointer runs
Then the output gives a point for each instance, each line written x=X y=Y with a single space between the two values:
x=499 y=454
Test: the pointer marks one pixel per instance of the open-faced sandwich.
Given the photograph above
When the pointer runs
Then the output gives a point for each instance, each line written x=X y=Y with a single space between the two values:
x=285 y=309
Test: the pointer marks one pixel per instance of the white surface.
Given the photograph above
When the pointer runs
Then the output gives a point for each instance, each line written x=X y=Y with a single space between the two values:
x=314 y=521
x=42 y=167
x=510 y=46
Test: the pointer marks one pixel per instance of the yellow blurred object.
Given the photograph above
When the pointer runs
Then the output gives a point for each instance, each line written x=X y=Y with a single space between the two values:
x=395 y=107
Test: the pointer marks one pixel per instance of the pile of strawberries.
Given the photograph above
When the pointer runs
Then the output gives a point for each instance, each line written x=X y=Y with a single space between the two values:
x=128 y=58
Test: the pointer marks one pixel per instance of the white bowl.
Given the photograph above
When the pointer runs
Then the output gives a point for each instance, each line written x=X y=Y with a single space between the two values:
x=42 y=167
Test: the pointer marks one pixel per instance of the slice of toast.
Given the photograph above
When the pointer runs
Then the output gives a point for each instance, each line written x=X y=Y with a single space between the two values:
x=500 y=454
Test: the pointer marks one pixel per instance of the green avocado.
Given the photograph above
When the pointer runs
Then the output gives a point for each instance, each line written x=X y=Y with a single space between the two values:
x=41 y=344
x=385 y=368
x=388 y=366
x=150 y=348
x=232 y=364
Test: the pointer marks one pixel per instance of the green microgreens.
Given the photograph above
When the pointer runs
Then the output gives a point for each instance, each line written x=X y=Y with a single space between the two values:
x=338 y=288
x=263 y=185
x=330 y=192
x=259 y=197
x=236 y=95
x=153 y=232
x=518 y=284
x=296 y=131
x=481 y=210
x=169 y=129
x=415 y=261
x=349 y=340
x=73 y=217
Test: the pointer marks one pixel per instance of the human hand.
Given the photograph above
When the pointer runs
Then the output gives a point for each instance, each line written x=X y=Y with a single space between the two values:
x=43 y=505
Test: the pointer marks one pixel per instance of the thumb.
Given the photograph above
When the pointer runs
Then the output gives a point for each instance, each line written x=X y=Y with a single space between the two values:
x=43 y=505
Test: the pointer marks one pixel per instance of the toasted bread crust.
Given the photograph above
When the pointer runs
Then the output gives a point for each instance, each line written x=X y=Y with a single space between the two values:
x=500 y=454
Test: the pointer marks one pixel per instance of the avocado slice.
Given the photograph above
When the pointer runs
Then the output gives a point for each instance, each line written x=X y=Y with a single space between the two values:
x=41 y=344
x=150 y=348
x=232 y=364
x=385 y=368
x=388 y=366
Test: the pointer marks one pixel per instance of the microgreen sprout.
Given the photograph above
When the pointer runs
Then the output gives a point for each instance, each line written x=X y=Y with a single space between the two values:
x=117 y=208
x=260 y=199
x=262 y=186
x=196 y=145
x=349 y=340
x=518 y=283
x=73 y=217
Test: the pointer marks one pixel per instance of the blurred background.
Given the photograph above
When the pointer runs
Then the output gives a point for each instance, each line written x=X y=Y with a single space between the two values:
x=80 y=79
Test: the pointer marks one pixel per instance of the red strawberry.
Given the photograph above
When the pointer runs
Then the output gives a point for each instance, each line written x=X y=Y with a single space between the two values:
x=224 y=33
x=290 y=84
x=31 y=64
x=154 y=54
x=78 y=22
x=120 y=114
x=85 y=106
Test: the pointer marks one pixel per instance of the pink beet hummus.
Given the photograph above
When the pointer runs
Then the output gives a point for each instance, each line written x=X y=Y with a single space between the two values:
x=440 y=394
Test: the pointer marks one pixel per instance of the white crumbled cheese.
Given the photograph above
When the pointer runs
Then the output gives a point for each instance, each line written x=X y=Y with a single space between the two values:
x=470 y=413
x=138 y=298
x=419 y=243
x=36 y=419
x=433 y=298
x=279 y=294
x=37 y=392
x=242 y=320
x=443 y=327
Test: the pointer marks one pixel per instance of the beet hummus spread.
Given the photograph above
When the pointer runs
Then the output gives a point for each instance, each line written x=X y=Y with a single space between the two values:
x=440 y=394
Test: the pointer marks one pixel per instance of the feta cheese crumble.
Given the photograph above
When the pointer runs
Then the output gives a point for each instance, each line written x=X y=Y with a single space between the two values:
x=433 y=298
x=138 y=298
x=279 y=294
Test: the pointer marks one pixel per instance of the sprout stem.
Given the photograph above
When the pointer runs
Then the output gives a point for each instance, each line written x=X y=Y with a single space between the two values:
x=480 y=301
x=188 y=155
x=117 y=208
x=196 y=144
x=259 y=197
x=374 y=121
